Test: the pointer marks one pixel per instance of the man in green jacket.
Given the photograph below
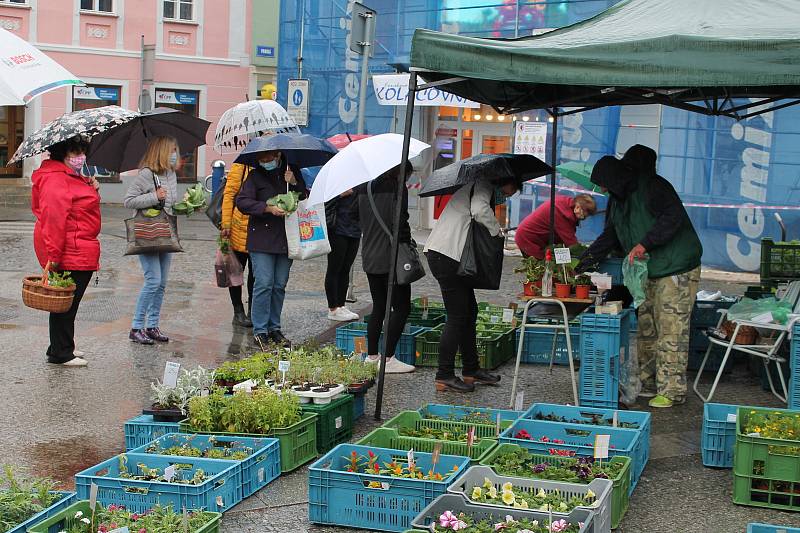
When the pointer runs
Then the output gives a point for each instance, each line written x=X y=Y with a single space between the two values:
x=646 y=219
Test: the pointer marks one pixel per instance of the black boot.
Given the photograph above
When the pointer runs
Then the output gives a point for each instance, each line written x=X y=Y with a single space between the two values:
x=481 y=377
x=453 y=384
x=240 y=318
x=278 y=338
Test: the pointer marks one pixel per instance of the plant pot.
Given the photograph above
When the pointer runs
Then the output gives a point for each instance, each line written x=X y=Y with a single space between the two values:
x=582 y=291
x=530 y=289
x=563 y=290
x=164 y=415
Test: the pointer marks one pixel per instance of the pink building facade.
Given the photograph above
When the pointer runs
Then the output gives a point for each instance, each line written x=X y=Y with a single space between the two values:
x=202 y=65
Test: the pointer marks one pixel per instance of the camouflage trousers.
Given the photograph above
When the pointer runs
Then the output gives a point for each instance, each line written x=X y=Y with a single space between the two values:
x=663 y=338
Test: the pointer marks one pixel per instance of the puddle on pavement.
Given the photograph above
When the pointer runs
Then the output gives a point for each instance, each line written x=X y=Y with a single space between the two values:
x=61 y=459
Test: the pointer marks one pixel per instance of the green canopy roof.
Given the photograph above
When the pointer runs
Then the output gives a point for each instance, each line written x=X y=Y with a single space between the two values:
x=637 y=52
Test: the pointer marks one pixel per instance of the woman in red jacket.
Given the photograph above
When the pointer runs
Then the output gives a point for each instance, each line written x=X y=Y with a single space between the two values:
x=533 y=233
x=67 y=209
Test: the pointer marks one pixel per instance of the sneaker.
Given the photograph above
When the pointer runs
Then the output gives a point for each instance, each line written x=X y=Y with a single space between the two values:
x=340 y=315
x=78 y=353
x=349 y=313
x=75 y=361
x=647 y=393
x=660 y=402
x=396 y=366
x=373 y=360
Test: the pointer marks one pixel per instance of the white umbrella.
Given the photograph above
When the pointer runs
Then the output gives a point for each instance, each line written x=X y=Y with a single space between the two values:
x=360 y=162
x=243 y=122
x=26 y=72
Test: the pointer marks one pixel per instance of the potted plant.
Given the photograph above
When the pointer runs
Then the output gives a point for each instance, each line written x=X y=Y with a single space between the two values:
x=565 y=277
x=532 y=270
x=583 y=282
x=169 y=403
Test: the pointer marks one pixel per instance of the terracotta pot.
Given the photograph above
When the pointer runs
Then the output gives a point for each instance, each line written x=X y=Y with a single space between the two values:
x=530 y=289
x=582 y=291
x=563 y=290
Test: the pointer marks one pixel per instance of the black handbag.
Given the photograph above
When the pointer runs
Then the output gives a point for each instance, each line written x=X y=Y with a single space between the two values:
x=214 y=209
x=152 y=235
x=481 y=263
x=409 y=267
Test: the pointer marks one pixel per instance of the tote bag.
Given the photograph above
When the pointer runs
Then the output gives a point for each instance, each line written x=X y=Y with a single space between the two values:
x=307 y=232
x=152 y=235
x=481 y=263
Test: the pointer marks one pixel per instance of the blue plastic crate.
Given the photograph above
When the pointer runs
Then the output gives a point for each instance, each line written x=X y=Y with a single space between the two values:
x=338 y=497
x=217 y=494
x=719 y=434
x=68 y=498
x=640 y=419
x=613 y=267
x=538 y=344
x=457 y=412
x=604 y=341
x=768 y=528
x=142 y=429
x=624 y=442
x=359 y=405
x=346 y=335
x=258 y=470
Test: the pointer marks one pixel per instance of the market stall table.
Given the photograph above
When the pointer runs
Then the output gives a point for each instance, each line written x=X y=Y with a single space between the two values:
x=559 y=311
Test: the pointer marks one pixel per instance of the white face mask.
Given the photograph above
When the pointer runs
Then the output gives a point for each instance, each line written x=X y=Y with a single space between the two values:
x=173 y=159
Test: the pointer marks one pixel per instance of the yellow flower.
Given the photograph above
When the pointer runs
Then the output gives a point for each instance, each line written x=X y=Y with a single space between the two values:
x=477 y=493
x=543 y=507
x=590 y=494
x=541 y=493
x=508 y=487
x=563 y=506
x=524 y=504
x=492 y=492
x=508 y=497
x=486 y=483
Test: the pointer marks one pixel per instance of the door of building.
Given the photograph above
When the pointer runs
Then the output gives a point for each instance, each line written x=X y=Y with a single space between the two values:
x=12 y=133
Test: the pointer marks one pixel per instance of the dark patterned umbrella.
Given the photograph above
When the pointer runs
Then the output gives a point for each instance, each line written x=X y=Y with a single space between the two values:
x=492 y=167
x=87 y=123
x=302 y=150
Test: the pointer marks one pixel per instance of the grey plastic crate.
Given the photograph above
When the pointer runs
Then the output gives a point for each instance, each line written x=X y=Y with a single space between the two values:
x=458 y=504
x=475 y=476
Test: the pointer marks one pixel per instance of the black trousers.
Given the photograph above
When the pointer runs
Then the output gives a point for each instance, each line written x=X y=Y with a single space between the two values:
x=337 y=276
x=401 y=307
x=236 y=292
x=62 y=325
x=459 y=333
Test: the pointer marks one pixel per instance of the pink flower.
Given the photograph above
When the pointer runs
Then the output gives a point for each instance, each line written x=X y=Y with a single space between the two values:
x=559 y=525
x=448 y=520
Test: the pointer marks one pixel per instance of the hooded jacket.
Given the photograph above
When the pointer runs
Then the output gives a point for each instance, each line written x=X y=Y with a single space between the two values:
x=67 y=210
x=533 y=233
x=644 y=209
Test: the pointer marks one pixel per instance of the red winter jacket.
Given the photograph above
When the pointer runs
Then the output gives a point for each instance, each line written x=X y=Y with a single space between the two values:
x=534 y=233
x=67 y=209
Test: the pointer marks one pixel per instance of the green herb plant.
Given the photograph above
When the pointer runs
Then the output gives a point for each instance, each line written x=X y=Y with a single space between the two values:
x=157 y=520
x=21 y=497
x=60 y=279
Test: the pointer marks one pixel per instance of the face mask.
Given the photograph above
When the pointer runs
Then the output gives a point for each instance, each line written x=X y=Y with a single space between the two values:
x=173 y=159
x=76 y=161
x=269 y=165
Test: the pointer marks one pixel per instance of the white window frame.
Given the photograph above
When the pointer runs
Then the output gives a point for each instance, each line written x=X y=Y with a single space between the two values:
x=95 y=8
x=177 y=17
x=11 y=3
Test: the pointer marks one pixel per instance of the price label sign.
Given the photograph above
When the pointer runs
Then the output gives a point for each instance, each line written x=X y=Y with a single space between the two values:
x=169 y=473
x=497 y=426
x=615 y=419
x=411 y=461
x=93 y=497
x=601 y=444
x=283 y=366
x=360 y=345
x=563 y=256
x=519 y=400
x=495 y=319
x=437 y=452
x=508 y=315
x=471 y=437
x=171 y=371
x=731 y=418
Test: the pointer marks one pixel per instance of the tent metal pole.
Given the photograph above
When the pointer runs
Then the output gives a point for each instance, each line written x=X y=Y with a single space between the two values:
x=398 y=207
x=553 y=155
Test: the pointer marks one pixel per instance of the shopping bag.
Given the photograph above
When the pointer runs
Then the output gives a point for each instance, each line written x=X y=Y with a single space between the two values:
x=228 y=270
x=307 y=233
x=634 y=276
x=481 y=265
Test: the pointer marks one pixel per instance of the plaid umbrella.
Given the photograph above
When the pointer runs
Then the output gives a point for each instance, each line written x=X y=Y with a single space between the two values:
x=87 y=123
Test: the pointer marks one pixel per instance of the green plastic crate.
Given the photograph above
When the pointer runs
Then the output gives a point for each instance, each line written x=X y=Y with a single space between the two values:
x=415 y=420
x=764 y=492
x=298 y=441
x=334 y=422
x=494 y=349
x=620 y=494
x=761 y=457
x=780 y=261
x=419 y=318
x=59 y=521
x=390 y=438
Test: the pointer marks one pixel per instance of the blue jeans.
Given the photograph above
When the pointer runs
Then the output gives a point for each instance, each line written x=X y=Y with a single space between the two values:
x=148 y=307
x=272 y=275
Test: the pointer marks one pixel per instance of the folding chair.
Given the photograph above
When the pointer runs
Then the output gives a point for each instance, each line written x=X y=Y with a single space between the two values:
x=767 y=351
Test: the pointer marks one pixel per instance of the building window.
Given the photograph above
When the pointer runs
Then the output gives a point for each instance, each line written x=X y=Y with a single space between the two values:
x=90 y=97
x=12 y=133
x=188 y=102
x=103 y=6
x=178 y=9
x=14 y=2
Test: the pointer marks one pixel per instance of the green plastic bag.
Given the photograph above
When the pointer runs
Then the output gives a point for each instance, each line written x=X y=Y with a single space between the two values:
x=748 y=309
x=634 y=276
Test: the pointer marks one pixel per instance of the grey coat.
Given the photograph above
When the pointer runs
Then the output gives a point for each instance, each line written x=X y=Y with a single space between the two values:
x=142 y=192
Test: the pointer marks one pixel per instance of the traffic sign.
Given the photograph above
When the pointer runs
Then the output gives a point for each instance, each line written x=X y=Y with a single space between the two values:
x=297 y=105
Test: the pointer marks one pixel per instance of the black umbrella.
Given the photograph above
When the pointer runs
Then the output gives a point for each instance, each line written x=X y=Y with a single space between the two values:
x=493 y=167
x=122 y=148
x=302 y=150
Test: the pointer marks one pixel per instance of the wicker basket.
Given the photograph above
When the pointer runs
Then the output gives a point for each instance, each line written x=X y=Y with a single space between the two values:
x=44 y=297
x=746 y=335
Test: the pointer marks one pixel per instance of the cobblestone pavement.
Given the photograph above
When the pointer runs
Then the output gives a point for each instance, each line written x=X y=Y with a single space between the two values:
x=58 y=421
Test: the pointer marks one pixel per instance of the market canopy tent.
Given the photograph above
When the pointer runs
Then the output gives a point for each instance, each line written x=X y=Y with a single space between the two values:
x=699 y=55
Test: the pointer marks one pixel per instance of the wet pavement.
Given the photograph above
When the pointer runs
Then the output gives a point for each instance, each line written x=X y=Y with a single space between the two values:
x=59 y=421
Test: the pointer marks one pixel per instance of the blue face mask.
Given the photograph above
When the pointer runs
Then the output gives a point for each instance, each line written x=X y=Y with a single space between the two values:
x=269 y=165
x=173 y=159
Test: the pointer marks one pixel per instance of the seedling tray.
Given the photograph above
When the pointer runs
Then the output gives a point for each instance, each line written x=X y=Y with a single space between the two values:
x=391 y=438
x=456 y=413
x=67 y=499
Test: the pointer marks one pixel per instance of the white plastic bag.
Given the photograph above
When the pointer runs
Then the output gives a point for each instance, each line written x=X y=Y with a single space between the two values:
x=307 y=233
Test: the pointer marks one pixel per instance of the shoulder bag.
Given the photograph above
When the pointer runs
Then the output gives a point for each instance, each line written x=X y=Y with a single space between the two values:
x=409 y=267
x=214 y=209
x=152 y=235
x=481 y=263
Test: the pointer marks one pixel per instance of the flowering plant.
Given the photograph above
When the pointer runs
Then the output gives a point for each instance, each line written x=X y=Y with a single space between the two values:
x=522 y=499
x=368 y=464
x=449 y=521
x=773 y=425
x=521 y=463
x=157 y=520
